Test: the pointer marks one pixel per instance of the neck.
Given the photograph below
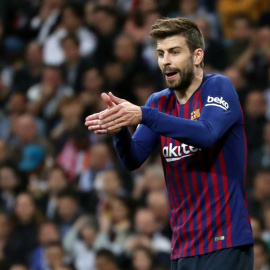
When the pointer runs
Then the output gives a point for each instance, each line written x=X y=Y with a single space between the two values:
x=184 y=95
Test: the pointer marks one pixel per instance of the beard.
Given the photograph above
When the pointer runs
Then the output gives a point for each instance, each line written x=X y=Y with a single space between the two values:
x=185 y=77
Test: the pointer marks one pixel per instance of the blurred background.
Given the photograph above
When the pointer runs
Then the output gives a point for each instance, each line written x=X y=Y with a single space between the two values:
x=65 y=201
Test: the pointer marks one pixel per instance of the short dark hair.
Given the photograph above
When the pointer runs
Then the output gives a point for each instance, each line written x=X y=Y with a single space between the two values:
x=71 y=37
x=76 y=8
x=262 y=244
x=107 y=254
x=167 y=27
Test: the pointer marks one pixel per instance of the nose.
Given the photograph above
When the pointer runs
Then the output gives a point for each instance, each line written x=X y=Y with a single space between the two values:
x=166 y=59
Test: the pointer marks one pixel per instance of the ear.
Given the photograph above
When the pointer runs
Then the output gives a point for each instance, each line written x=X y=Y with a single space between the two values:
x=198 y=56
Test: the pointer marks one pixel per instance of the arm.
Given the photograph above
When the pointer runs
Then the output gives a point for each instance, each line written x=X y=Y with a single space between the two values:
x=215 y=118
x=133 y=151
x=214 y=121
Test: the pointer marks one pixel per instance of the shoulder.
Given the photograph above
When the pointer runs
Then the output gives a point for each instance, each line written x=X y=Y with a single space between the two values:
x=216 y=83
x=216 y=78
x=155 y=97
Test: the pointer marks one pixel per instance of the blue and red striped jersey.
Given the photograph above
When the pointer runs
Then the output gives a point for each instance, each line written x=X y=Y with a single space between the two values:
x=203 y=150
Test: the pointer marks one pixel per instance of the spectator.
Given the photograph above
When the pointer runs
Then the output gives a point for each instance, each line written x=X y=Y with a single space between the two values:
x=115 y=225
x=128 y=63
x=79 y=243
x=9 y=184
x=215 y=58
x=57 y=183
x=100 y=160
x=260 y=157
x=193 y=10
x=30 y=73
x=93 y=85
x=105 y=24
x=16 y=107
x=260 y=255
x=74 y=65
x=68 y=211
x=143 y=88
x=228 y=9
x=242 y=32
x=26 y=133
x=23 y=238
x=105 y=260
x=46 y=20
x=70 y=114
x=146 y=225
x=151 y=180
x=239 y=82
x=55 y=255
x=255 y=110
x=47 y=234
x=260 y=192
x=33 y=164
x=75 y=155
x=142 y=259
x=72 y=23
x=158 y=203
x=44 y=98
x=257 y=227
x=89 y=11
x=254 y=61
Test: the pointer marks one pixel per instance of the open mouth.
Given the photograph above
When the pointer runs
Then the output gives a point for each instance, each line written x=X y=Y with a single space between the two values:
x=170 y=75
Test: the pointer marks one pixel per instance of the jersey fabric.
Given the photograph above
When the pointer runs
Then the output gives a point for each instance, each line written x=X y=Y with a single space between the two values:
x=203 y=150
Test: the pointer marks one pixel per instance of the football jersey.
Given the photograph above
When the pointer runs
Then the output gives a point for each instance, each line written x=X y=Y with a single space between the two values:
x=203 y=151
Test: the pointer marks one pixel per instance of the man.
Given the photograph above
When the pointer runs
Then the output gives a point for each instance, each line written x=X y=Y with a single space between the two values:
x=199 y=124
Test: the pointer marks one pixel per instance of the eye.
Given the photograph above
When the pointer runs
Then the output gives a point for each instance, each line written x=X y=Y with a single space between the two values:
x=160 y=54
x=175 y=52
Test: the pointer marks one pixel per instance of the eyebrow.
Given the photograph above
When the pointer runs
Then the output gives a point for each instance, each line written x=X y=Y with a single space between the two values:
x=170 y=49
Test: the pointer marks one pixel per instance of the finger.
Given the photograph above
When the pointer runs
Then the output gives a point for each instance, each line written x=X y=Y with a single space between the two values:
x=109 y=112
x=97 y=127
x=115 y=99
x=92 y=123
x=116 y=121
x=94 y=116
x=114 y=127
x=110 y=118
x=107 y=99
x=101 y=131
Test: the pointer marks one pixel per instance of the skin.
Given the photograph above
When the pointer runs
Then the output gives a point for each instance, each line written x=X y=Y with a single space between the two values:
x=183 y=75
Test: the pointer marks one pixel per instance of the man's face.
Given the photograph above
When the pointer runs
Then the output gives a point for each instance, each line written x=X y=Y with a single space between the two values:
x=175 y=62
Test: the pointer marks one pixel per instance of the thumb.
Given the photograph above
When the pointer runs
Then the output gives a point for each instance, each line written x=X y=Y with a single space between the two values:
x=107 y=99
x=115 y=99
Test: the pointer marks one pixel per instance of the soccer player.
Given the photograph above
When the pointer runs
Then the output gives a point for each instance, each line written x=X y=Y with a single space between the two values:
x=199 y=124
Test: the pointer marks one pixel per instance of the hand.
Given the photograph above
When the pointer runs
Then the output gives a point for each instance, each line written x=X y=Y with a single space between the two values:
x=92 y=120
x=47 y=92
x=80 y=222
x=123 y=114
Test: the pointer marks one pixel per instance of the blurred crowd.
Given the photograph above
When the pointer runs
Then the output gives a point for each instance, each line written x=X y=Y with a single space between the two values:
x=65 y=201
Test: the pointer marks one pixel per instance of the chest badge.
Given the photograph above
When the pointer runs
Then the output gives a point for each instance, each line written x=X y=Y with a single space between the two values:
x=195 y=114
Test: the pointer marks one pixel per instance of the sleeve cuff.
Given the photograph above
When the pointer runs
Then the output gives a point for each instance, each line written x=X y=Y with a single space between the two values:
x=148 y=114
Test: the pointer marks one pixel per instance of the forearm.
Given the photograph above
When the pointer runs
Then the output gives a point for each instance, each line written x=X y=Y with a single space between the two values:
x=126 y=150
x=133 y=151
x=242 y=61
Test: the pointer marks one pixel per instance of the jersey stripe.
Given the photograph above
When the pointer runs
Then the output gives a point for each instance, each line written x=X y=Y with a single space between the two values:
x=217 y=199
x=227 y=196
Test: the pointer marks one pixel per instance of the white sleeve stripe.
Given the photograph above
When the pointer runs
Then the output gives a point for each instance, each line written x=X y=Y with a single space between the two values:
x=216 y=106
